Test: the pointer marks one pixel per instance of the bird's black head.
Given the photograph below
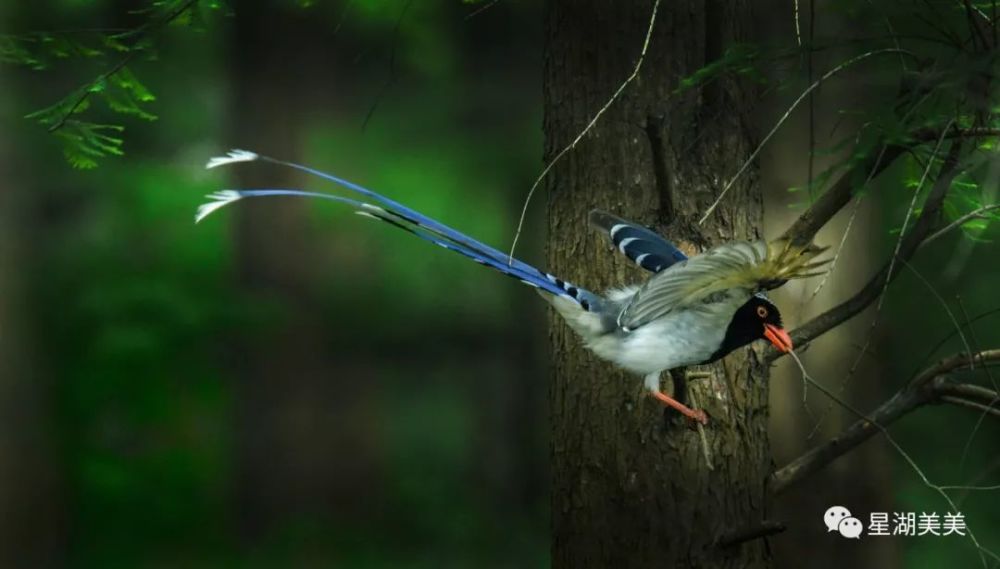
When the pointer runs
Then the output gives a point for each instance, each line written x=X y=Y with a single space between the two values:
x=757 y=319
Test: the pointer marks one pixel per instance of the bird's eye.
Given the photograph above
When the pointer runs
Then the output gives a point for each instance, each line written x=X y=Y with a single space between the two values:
x=762 y=311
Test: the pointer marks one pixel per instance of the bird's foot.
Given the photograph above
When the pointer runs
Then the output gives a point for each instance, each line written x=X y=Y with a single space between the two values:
x=696 y=415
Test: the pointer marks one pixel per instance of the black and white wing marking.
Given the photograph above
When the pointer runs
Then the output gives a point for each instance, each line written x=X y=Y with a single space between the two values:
x=644 y=247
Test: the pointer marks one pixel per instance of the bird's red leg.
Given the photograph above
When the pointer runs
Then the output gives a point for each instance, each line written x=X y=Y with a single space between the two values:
x=695 y=414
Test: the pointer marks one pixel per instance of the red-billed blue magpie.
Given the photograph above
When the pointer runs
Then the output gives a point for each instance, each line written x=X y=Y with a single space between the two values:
x=690 y=311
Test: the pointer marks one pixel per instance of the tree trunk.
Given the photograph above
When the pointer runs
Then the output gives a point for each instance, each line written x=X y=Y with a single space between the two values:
x=628 y=490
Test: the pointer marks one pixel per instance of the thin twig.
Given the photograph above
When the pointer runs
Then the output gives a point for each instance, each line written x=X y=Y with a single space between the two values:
x=798 y=30
x=909 y=398
x=812 y=96
x=840 y=246
x=945 y=338
x=970 y=391
x=706 y=451
x=86 y=90
x=974 y=24
x=972 y=488
x=482 y=9
x=919 y=391
x=986 y=409
x=875 y=169
x=956 y=362
x=973 y=483
x=586 y=129
x=892 y=34
x=873 y=289
x=805 y=227
x=979 y=213
x=788 y=112
x=952 y=37
x=906 y=219
x=850 y=222
x=392 y=67
x=875 y=319
x=944 y=304
x=139 y=33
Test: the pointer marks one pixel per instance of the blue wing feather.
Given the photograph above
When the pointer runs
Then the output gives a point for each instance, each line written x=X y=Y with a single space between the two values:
x=644 y=247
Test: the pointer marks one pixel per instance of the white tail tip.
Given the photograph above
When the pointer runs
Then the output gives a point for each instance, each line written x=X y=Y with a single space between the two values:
x=219 y=199
x=233 y=156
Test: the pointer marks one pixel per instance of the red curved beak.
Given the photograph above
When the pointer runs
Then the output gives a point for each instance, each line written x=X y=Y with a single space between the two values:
x=778 y=337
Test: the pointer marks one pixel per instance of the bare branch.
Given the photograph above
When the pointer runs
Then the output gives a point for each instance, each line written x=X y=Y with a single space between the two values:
x=802 y=231
x=975 y=25
x=840 y=246
x=908 y=245
x=788 y=113
x=956 y=362
x=970 y=392
x=983 y=552
x=993 y=382
x=986 y=409
x=818 y=457
x=926 y=387
x=979 y=213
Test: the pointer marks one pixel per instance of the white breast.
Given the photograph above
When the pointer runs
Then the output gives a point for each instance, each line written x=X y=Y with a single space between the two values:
x=676 y=340
x=686 y=337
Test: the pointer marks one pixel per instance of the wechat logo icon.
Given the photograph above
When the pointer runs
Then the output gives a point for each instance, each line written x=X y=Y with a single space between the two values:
x=840 y=520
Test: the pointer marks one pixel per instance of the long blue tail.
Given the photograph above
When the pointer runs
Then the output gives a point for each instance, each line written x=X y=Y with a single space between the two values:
x=405 y=218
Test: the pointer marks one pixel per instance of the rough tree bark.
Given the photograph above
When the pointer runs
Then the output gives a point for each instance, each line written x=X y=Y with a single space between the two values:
x=628 y=491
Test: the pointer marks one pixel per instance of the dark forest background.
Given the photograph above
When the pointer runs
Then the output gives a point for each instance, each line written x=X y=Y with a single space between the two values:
x=288 y=385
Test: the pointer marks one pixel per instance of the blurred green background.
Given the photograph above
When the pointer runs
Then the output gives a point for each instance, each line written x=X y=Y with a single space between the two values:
x=418 y=439
x=289 y=385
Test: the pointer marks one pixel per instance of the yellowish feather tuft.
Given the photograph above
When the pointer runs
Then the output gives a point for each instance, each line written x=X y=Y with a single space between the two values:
x=780 y=263
x=786 y=261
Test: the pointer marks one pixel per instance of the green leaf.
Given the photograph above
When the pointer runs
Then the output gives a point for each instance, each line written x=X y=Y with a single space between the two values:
x=740 y=59
x=127 y=81
x=84 y=143
x=15 y=50
x=122 y=101
x=111 y=42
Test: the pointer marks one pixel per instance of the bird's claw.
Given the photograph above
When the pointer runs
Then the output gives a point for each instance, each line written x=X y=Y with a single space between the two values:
x=691 y=418
x=696 y=415
x=699 y=416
